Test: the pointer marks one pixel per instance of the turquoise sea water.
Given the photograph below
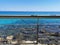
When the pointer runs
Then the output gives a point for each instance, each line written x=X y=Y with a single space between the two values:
x=28 y=21
x=25 y=13
x=42 y=21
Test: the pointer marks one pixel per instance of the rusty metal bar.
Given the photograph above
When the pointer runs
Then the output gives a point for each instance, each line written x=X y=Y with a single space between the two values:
x=29 y=16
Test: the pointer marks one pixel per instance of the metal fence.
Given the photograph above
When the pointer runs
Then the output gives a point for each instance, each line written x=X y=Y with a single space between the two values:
x=27 y=34
x=19 y=34
x=31 y=34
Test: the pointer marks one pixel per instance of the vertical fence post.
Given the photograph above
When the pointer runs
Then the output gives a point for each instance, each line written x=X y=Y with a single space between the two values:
x=37 y=29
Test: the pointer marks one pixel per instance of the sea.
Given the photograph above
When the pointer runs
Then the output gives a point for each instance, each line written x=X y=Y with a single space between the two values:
x=43 y=21
x=29 y=20
x=28 y=13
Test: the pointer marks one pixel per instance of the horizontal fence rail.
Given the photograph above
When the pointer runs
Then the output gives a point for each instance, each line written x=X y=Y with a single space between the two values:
x=29 y=16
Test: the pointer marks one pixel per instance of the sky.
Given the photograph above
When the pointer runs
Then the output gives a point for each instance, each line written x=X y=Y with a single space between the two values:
x=29 y=5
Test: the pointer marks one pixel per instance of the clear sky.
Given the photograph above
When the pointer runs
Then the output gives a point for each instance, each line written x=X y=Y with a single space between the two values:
x=29 y=5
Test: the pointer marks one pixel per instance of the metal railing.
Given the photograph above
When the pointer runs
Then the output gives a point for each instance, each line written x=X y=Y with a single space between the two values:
x=27 y=34
x=21 y=34
x=36 y=34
